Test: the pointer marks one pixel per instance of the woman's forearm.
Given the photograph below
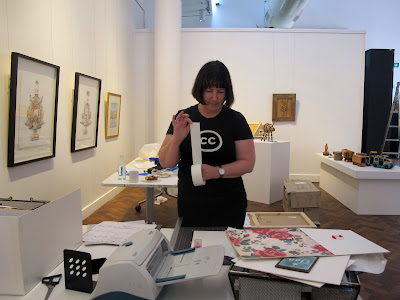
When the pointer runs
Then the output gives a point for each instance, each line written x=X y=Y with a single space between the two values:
x=169 y=154
x=244 y=163
x=238 y=168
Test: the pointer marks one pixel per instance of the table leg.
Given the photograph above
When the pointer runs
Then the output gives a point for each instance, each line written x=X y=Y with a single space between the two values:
x=150 y=205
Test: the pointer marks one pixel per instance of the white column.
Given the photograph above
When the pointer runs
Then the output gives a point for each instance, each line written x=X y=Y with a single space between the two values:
x=167 y=45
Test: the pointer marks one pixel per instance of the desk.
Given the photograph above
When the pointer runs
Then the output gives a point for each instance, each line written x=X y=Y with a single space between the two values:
x=365 y=190
x=169 y=182
x=212 y=287
x=265 y=183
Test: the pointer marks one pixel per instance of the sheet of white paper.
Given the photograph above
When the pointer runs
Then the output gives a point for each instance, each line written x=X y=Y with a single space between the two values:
x=349 y=243
x=371 y=263
x=113 y=233
x=336 y=265
x=210 y=238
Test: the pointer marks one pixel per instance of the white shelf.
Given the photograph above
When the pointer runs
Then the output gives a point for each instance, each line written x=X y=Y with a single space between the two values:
x=365 y=190
x=367 y=172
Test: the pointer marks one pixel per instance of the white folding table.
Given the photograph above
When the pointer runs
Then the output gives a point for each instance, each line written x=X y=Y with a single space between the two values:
x=168 y=182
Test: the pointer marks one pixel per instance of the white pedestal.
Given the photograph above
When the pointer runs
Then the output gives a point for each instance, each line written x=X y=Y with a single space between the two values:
x=265 y=183
x=33 y=241
x=365 y=190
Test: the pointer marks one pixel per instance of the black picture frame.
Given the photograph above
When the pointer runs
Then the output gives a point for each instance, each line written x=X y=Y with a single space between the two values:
x=85 y=118
x=300 y=264
x=32 y=122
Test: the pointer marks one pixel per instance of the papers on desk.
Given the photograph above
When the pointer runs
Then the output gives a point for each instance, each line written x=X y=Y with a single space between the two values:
x=357 y=254
x=113 y=233
x=326 y=270
x=349 y=242
x=365 y=255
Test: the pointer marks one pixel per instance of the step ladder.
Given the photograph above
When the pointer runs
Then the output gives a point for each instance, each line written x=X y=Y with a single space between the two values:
x=391 y=146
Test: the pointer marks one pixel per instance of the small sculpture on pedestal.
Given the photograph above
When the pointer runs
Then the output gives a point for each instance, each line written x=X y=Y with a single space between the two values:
x=326 y=152
x=268 y=129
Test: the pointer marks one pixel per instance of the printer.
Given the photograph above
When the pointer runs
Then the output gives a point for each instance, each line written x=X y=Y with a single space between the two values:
x=145 y=262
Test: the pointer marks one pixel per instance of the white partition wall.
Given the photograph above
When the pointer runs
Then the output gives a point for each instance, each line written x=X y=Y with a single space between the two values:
x=265 y=183
x=324 y=68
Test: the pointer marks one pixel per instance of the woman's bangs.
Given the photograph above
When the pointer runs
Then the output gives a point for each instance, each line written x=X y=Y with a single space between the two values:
x=215 y=83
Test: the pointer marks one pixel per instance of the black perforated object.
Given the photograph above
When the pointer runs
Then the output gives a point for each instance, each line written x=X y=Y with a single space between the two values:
x=78 y=269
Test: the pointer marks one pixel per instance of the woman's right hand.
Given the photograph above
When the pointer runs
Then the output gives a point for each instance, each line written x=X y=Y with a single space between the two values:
x=181 y=125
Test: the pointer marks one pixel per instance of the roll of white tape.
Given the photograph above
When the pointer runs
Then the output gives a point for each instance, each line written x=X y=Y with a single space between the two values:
x=197 y=177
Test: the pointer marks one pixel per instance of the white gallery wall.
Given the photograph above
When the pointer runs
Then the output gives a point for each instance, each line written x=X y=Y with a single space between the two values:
x=324 y=68
x=93 y=37
x=379 y=19
x=98 y=38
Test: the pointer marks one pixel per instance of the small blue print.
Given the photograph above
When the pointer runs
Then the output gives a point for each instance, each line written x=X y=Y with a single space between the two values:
x=303 y=263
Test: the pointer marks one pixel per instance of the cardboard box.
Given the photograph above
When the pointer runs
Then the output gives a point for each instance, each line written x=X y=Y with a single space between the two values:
x=301 y=193
x=286 y=207
x=32 y=241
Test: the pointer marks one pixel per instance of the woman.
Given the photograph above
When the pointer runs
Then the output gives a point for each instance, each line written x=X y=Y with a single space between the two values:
x=227 y=153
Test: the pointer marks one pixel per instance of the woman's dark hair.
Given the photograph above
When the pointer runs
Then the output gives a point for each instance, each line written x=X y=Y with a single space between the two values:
x=213 y=74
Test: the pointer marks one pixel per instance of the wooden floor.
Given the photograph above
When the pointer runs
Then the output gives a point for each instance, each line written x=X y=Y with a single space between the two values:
x=383 y=230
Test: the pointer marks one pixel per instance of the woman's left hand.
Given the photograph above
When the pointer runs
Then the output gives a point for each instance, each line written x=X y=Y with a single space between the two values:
x=209 y=172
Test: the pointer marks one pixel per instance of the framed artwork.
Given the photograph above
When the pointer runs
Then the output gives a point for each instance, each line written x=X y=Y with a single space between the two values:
x=257 y=129
x=33 y=110
x=279 y=219
x=284 y=107
x=300 y=264
x=113 y=115
x=85 y=118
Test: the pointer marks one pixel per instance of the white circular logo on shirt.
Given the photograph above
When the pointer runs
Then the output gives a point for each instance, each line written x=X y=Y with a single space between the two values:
x=210 y=141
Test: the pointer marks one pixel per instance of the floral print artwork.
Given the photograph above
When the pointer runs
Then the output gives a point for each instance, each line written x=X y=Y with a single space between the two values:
x=274 y=242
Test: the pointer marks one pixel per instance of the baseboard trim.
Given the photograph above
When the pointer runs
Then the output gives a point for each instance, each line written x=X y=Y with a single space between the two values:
x=310 y=177
x=99 y=202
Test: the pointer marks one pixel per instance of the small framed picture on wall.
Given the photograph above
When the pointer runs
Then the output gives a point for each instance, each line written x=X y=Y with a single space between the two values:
x=113 y=110
x=85 y=118
x=33 y=110
x=284 y=107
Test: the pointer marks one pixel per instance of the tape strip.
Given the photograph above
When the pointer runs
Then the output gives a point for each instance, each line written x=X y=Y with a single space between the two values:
x=197 y=176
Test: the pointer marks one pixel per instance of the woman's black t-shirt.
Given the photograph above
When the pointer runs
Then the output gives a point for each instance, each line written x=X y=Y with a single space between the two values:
x=220 y=202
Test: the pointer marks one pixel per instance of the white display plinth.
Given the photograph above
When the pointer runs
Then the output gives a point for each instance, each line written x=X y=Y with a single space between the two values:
x=32 y=241
x=365 y=190
x=265 y=183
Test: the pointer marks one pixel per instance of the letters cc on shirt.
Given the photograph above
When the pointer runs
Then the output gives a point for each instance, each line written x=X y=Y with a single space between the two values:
x=211 y=141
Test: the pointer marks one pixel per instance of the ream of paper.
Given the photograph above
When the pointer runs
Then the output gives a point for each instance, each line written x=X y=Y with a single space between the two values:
x=113 y=233
x=197 y=176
